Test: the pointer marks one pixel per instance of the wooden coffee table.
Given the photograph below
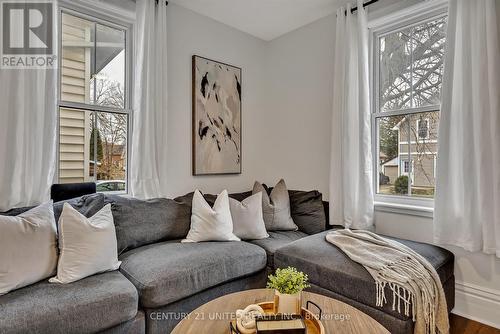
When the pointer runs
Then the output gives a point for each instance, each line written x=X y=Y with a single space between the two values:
x=214 y=316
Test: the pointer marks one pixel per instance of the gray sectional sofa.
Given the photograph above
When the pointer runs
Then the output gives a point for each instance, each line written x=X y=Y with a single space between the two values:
x=162 y=279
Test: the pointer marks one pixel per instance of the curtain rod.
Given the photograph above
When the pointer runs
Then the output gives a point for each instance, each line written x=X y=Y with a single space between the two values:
x=353 y=9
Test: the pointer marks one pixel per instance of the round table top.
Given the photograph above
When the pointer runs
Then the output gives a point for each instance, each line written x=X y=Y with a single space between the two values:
x=214 y=316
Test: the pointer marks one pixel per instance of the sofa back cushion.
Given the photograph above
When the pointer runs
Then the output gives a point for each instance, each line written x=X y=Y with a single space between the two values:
x=308 y=211
x=142 y=222
x=87 y=205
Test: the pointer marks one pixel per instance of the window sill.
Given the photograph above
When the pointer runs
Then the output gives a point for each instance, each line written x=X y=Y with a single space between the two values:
x=404 y=209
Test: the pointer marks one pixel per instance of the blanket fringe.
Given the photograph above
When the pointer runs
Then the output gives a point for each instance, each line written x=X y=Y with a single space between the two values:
x=415 y=285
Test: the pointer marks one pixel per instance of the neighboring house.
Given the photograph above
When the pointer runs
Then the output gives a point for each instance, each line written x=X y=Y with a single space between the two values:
x=116 y=153
x=113 y=161
x=417 y=149
x=391 y=169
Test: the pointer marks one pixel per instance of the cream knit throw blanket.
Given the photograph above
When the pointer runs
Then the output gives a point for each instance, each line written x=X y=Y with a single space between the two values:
x=411 y=278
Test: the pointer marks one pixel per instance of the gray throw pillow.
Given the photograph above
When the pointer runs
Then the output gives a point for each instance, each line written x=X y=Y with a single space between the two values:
x=248 y=220
x=276 y=207
x=308 y=211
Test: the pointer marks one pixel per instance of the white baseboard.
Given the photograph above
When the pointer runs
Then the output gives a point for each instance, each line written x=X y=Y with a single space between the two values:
x=477 y=303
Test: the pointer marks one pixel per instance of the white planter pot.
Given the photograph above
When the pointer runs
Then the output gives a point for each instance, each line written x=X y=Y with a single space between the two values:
x=287 y=304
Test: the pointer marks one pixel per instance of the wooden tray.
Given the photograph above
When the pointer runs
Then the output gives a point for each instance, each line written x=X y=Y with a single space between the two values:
x=313 y=324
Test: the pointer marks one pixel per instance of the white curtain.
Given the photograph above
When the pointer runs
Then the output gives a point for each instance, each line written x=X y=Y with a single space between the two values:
x=149 y=132
x=351 y=174
x=28 y=120
x=467 y=203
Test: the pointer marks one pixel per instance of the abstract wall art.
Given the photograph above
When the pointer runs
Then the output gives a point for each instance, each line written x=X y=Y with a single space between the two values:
x=216 y=117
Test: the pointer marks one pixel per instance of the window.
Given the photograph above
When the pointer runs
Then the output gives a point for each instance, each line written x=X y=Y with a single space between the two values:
x=93 y=103
x=423 y=128
x=406 y=166
x=408 y=69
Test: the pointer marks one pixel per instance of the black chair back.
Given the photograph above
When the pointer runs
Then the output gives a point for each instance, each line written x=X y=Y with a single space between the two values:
x=62 y=192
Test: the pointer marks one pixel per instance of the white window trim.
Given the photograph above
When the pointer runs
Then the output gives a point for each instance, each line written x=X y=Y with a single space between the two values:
x=405 y=154
x=430 y=141
x=394 y=203
x=114 y=17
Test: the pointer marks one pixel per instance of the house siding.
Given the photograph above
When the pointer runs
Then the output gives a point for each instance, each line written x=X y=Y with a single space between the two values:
x=74 y=129
x=421 y=152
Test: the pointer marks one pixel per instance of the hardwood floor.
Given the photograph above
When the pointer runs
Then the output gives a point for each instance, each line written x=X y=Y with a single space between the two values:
x=461 y=325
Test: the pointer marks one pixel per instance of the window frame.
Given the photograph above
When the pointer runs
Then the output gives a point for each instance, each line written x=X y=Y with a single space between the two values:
x=110 y=17
x=378 y=27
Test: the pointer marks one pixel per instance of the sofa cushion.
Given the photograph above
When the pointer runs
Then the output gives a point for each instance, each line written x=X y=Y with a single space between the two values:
x=307 y=209
x=90 y=305
x=328 y=267
x=276 y=240
x=142 y=222
x=166 y=272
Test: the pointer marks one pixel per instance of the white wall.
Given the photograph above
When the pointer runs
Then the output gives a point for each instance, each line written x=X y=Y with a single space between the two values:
x=286 y=89
x=299 y=83
x=190 y=33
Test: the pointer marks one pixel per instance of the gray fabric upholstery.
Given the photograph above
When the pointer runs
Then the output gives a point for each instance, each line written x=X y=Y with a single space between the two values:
x=210 y=198
x=440 y=258
x=86 y=306
x=329 y=268
x=87 y=205
x=163 y=320
x=166 y=272
x=308 y=212
x=276 y=240
x=16 y=211
x=137 y=325
x=393 y=324
x=141 y=222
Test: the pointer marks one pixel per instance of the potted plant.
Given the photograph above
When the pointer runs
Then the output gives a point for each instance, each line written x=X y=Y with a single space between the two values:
x=288 y=284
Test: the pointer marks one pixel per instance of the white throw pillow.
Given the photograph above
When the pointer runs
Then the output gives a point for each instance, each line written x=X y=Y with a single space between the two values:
x=211 y=224
x=248 y=220
x=88 y=245
x=28 y=247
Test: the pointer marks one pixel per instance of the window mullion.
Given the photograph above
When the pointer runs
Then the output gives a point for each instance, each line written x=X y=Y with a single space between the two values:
x=94 y=64
x=94 y=124
x=402 y=112
x=410 y=170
